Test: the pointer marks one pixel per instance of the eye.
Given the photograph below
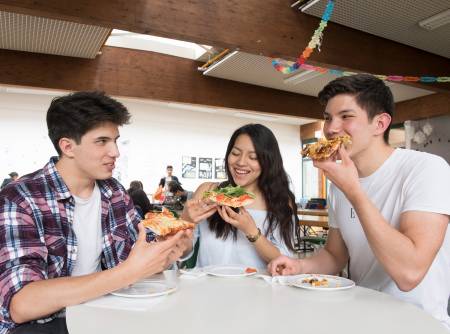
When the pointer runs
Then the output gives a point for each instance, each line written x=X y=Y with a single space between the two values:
x=253 y=157
x=235 y=153
x=326 y=118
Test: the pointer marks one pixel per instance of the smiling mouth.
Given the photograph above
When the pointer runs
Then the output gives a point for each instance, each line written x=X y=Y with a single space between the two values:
x=241 y=171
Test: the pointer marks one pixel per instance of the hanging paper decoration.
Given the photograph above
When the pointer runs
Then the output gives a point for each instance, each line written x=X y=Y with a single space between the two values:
x=287 y=67
x=316 y=41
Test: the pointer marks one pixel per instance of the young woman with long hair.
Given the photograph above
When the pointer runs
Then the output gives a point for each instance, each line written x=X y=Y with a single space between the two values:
x=264 y=229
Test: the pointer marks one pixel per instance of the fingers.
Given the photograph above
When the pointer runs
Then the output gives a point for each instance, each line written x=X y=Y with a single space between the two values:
x=344 y=155
x=225 y=213
x=142 y=233
x=206 y=215
x=279 y=266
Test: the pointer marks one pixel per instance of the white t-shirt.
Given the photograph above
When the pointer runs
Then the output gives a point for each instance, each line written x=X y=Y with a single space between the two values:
x=216 y=251
x=88 y=230
x=407 y=181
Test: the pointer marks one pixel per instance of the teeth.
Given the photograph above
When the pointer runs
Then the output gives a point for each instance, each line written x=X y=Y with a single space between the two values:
x=238 y=171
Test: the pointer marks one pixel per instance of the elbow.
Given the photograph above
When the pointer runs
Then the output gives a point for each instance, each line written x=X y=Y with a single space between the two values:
x=16 y=312
x=410 y=280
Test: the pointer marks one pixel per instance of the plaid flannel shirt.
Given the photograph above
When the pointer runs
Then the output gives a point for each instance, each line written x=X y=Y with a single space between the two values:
x=37 y=241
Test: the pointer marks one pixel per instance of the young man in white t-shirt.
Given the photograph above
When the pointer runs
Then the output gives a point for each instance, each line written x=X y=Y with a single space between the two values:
x=388 y=208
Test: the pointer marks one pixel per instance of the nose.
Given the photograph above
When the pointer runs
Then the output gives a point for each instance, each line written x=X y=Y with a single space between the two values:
x=331 y=128
x=241 y=160
x=114 y=151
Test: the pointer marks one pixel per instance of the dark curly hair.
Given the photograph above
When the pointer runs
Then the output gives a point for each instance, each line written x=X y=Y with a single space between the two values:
x=370 y=93
x=72 y=115
x=273 y=184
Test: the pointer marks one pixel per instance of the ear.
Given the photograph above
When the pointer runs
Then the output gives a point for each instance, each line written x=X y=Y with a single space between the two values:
x=67 y=146
x=382 y=122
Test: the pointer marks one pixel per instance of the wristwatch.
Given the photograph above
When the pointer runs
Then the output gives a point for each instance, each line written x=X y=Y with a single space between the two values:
x=253 y=238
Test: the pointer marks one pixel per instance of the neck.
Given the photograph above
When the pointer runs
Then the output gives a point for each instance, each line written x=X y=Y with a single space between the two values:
x=368 y=161
x=78 y=184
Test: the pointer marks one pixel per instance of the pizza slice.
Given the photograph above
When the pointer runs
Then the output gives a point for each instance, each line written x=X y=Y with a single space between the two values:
x=325 y=148
x=230 y=196
x=165 y=223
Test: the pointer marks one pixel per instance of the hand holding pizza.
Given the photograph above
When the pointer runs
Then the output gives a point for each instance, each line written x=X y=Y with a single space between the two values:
x=146 y=259
x=343 y=175
x=195 y=210
x=243 y=221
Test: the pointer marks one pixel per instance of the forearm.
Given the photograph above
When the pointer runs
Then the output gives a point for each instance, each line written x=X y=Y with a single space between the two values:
x=42 y=298
x=266 y=249
x=395 y=251
x=323 y=262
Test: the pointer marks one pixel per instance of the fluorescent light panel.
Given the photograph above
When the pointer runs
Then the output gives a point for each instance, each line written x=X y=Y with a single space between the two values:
x=308 y=4
x=210 y=68
x=302 y=77
x=436 y=21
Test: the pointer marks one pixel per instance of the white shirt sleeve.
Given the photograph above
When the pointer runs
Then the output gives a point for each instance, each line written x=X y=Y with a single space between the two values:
x=427 y=188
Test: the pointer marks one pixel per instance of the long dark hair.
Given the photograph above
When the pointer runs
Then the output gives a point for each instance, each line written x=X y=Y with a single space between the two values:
x=273 y=183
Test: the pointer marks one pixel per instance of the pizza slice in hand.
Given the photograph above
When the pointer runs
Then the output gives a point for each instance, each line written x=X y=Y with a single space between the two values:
x=325 y=148
x=165 y=223
x=230 y=196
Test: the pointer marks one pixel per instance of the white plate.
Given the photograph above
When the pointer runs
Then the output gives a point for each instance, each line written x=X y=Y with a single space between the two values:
x=145 y=289
x=334 y=282
x=228 y=271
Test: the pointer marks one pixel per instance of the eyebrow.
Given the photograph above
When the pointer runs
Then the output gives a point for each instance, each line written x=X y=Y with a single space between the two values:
x=106 y=138
x=237 y=148
x=340 y=112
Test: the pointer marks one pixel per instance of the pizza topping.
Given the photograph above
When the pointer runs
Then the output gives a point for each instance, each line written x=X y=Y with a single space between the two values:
x=165 y=223
x=324 y=148
x=250 y=270
x=314 y=281
x=230 y=196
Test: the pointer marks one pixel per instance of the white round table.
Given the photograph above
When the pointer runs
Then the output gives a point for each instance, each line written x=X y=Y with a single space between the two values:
x=250 y=305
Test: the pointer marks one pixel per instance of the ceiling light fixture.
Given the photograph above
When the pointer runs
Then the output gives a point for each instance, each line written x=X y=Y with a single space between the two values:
x=301 y=77
x=305 y=4
x=436 y=21
x=231 y=54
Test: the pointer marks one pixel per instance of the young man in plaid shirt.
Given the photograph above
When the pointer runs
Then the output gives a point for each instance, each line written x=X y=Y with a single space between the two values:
x=69 y=231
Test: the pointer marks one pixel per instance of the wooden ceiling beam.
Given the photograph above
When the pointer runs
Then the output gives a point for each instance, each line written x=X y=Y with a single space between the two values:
x=273 y=29
x=423 y=107
x=142 y=74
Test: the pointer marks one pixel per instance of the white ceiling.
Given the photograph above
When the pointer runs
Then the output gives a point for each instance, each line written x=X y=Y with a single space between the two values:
x=258 y=70
x=397 y=20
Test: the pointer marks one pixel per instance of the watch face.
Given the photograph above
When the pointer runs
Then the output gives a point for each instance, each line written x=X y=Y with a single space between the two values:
x=253 y=238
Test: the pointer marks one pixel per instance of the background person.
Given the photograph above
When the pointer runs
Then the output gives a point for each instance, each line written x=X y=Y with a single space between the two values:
x=13 y=176
x=139 y=197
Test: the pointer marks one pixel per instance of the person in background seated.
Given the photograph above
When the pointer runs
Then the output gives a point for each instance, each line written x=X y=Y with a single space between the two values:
x=69 y=231
x=177 y=198
x=388 y=208
x=139 y=197
x=264 y=230
x=13 y=176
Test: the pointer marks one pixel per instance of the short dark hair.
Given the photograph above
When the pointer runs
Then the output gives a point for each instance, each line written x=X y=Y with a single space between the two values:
x=13 y=174
x=370 y=93
x=169 y=166
x=73 y=115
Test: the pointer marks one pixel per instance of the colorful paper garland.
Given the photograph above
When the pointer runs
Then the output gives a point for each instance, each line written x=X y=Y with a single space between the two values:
x=286 y=67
